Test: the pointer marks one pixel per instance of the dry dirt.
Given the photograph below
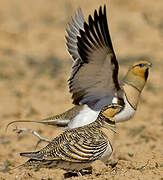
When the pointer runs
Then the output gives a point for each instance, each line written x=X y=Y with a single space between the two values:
x=34 y=68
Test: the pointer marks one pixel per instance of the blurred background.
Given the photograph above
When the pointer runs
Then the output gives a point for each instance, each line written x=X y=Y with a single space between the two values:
x=35 y=66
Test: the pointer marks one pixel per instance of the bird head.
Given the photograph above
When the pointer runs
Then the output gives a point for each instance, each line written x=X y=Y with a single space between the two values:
x=138 y=74
x=140 y=69
x=109 y=111
x=107 y=114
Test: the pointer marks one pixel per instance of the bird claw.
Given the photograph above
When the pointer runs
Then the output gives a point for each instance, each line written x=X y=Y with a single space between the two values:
x=41 y=139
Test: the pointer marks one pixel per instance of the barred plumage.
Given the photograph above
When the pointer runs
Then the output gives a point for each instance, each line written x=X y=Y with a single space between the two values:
x=94 y=79
x=77 y=148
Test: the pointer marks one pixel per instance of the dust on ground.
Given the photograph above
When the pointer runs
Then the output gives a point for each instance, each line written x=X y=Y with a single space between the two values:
x=34 y=68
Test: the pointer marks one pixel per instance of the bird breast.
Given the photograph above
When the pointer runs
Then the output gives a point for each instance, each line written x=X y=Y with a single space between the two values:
x=127 y=112
x=110 y=136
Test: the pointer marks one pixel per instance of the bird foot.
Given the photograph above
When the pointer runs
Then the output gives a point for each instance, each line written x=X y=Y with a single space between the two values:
x=41 y=139
x=82 y=172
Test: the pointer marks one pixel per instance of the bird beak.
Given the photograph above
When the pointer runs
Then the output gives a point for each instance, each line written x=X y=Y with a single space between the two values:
x=120 y=107
x=149 y=64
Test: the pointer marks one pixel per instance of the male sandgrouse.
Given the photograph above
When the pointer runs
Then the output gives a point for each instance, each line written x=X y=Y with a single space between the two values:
x=94 y=78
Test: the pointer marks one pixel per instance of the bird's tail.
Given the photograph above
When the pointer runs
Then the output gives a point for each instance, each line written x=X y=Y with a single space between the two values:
x=60 y=120
x=53 y=121
x=37 y=164
x=30 y=164
x=34 y=163
x=32 y=155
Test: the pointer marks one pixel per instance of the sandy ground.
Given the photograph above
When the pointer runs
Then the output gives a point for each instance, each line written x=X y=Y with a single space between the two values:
x=34 y=68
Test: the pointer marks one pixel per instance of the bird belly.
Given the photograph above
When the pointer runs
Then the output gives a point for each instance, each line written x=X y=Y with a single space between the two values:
x=66 y=165
x=107 y=153
x=73 y=166
x=126 y=114
x=85 y=116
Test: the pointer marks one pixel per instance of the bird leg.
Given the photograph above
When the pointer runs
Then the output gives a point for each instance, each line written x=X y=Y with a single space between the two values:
x=78 y=173
x=41 y=139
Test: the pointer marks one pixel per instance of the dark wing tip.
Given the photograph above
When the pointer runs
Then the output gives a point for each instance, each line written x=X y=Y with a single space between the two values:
x=26 y=155
x=96 y=32
x=90 y=20
x=104 y=8
x=100 y=11
x=95 y=14
x=33 y=155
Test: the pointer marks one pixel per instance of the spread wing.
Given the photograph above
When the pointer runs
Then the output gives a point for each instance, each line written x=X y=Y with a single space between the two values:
x=77 y=23
x=94 y=77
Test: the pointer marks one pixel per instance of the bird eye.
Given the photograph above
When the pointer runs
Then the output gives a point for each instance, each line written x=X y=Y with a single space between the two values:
x=141 y=65
x=113 y=107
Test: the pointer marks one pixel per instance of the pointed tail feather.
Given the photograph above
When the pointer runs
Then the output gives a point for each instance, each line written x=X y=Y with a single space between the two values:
x=36 y=164
x=17 y=121
x=52 y=122
x=17 y=167
x=32 y=155
x=28 y=164
x=32 y=163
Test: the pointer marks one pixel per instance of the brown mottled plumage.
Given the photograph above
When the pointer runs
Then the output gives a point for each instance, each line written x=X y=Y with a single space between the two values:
x=77 y=148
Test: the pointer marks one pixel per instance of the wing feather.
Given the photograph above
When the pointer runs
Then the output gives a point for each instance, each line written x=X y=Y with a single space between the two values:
x=94 y=78
x=76 y=24
x=75 y=146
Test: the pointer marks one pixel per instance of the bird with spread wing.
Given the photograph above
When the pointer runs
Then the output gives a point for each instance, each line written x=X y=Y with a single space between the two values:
x=94 y=80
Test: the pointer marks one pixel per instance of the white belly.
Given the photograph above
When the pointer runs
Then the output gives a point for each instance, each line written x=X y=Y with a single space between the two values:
x=126 y=114
x=87 y=115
